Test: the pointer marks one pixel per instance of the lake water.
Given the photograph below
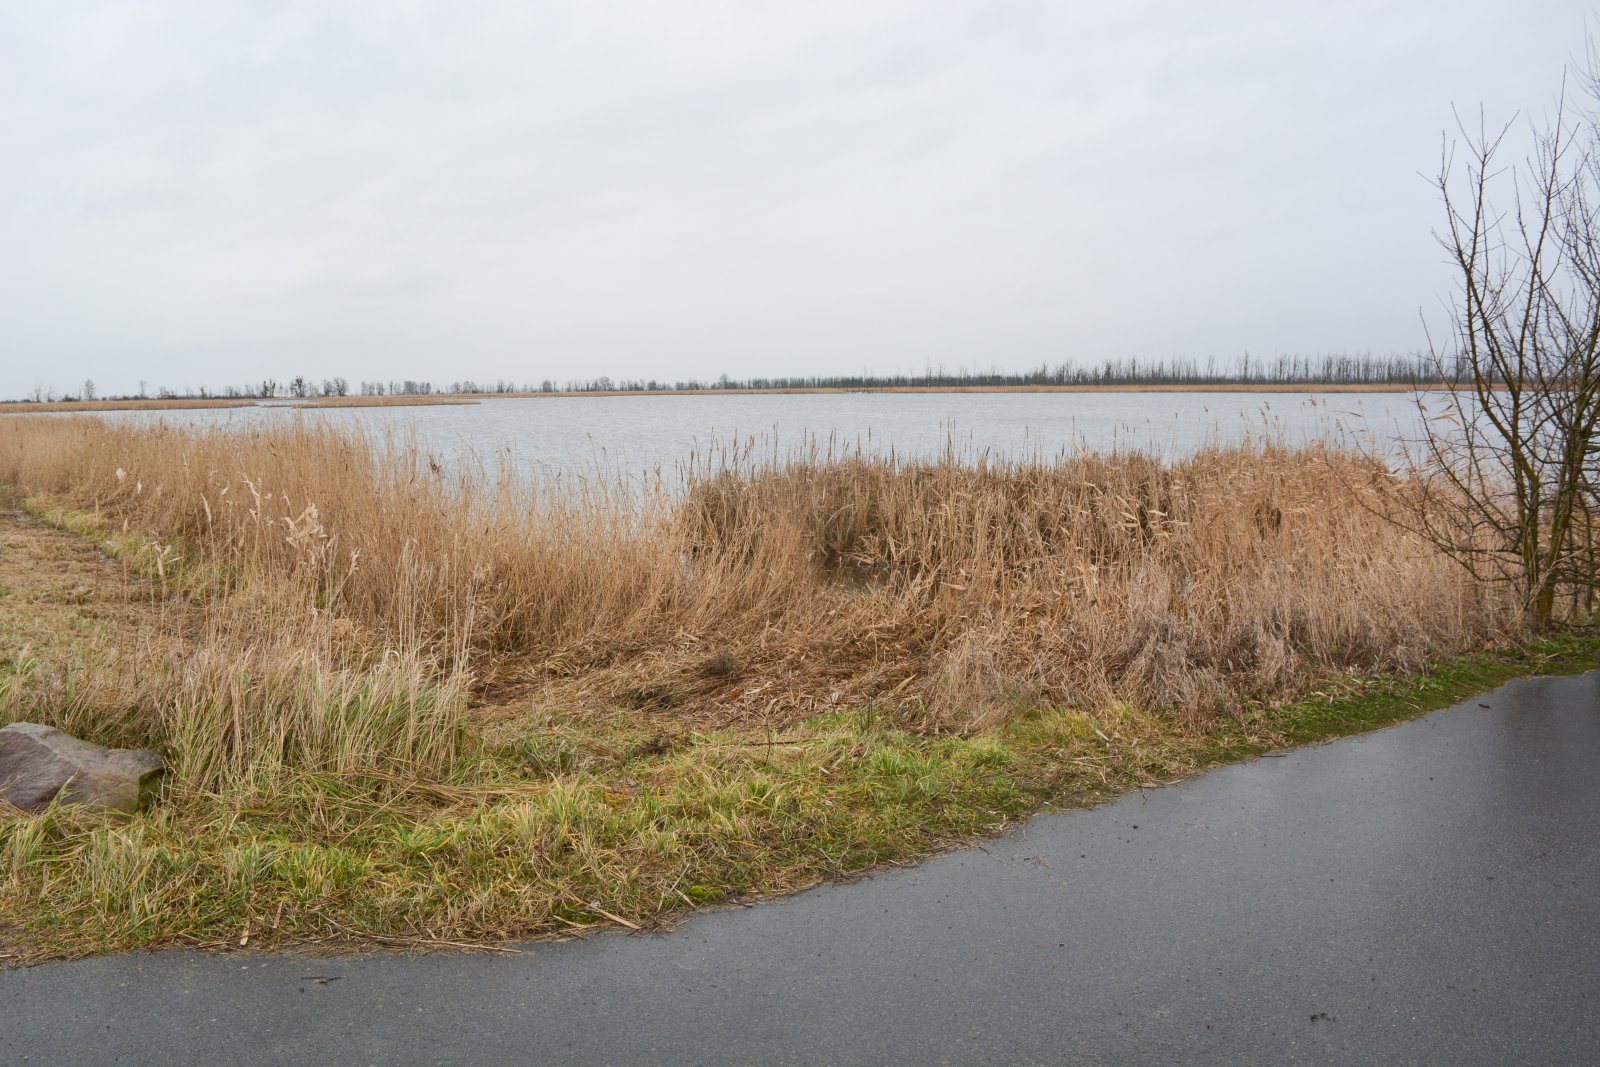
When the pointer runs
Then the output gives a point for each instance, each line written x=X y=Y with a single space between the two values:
x=637 y=433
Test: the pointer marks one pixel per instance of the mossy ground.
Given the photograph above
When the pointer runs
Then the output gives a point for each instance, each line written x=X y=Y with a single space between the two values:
x=558 y=822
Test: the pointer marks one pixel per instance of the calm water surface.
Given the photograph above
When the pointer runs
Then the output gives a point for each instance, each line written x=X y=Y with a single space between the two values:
x=637 y=433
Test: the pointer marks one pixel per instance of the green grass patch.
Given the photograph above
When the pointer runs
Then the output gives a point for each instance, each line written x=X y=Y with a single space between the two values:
x=591 y=824
x=171 y=565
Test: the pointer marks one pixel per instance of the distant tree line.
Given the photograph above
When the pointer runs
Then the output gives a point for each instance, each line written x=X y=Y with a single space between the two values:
x=1361 y=369
x=1338 y=369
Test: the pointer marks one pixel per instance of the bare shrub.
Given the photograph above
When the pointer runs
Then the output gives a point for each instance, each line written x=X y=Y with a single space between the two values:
x=1506 y=472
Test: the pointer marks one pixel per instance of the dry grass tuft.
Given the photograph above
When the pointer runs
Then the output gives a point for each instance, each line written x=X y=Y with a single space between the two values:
x=438 y=706
x=34 y=407
x=1190 y=588
x=950 y=592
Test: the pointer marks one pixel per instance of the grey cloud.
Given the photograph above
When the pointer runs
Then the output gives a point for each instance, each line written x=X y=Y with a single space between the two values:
x=212 y=192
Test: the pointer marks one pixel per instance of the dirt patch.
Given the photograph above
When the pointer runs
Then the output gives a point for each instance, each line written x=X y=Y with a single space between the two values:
x=64 y=602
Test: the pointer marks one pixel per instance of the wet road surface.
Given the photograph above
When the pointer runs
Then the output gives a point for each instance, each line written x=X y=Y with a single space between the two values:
x=1426 y=894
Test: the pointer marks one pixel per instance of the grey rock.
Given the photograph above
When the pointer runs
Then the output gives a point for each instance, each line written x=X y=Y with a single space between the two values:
x=39 y=764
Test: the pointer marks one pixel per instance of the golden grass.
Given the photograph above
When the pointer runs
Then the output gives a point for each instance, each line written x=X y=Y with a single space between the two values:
x=234 y=686
x=434 y=705
x=947 y=591
x=30 y=407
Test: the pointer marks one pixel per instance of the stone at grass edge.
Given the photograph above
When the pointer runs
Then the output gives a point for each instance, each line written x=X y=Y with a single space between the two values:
x=40 y=764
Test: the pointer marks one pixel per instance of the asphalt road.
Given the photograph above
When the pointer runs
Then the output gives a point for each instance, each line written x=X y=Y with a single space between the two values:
x=1426 y=894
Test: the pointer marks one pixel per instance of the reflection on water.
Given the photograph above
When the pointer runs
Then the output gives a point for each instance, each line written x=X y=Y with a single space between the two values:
x=634 y=433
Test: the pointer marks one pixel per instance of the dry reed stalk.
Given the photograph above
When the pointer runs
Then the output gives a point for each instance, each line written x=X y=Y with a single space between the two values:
x=765 y=588
x=34 y=407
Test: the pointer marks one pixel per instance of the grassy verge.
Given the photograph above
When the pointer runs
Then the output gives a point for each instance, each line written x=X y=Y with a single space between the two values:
x=412 y=704
x=558 y=823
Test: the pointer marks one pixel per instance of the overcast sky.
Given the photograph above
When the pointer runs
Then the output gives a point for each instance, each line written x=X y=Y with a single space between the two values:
x=210 y=192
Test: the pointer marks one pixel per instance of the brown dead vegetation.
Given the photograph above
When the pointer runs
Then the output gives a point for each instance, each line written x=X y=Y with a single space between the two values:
x=951 y=593
x=37 y=407
x=408 y=707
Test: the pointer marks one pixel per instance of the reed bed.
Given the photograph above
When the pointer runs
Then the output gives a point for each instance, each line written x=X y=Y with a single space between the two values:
x=772 y=587
x=34 y=407
x=427 y=704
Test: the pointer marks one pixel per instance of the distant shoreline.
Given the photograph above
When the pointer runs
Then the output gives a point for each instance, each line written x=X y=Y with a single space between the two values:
x=1193 y=387
x=26 y=407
